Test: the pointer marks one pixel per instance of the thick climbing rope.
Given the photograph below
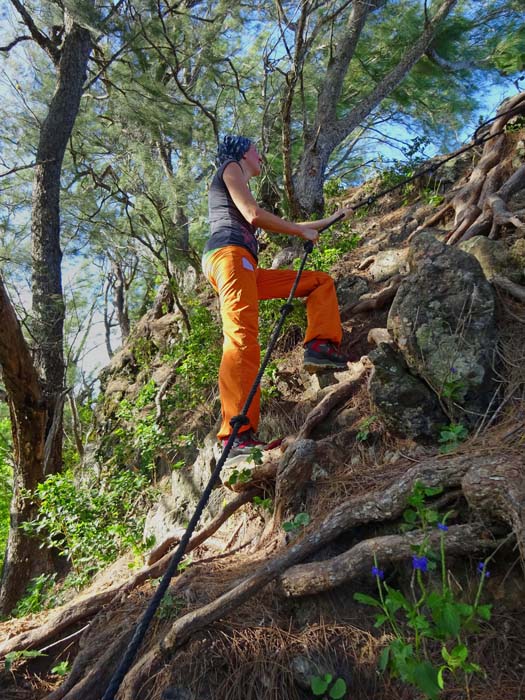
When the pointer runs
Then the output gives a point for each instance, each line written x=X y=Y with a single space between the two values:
x=240 y=420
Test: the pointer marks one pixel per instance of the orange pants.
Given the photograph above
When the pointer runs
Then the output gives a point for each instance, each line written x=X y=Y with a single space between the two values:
x=233 y=273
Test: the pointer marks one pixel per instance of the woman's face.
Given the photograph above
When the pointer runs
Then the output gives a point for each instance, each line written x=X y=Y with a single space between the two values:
x=253 y=160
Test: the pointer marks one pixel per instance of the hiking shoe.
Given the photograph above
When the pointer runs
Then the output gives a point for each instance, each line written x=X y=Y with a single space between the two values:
x=243 y=443
x=322 y=354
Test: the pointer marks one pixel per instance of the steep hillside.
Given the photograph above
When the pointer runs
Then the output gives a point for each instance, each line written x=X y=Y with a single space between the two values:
x=401 y=480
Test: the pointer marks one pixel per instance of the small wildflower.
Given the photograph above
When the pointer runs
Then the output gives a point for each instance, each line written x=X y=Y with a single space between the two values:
x=420 y=563
x=482 y=570
x=378 y=572
x=453 y=370
x=442 y=526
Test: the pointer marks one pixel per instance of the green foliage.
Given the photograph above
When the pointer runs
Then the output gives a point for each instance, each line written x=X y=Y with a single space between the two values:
x=268 y=388
x=37 y=597
x=299 y=521
x=364 y=428
x=434 y=618
x=327 y=687
x=239 y=477
x=255 y=456
x=451 y=436
x=6 y=483
x=509 y=55
x=329 y=250
x=92 y=522
x=198 y=355
x=269 y=315
x=515 y=124
x=61 y=669
x=454 y=388
x=264 y=503
x=170 y=605
x=184 y=564
x=25 y=654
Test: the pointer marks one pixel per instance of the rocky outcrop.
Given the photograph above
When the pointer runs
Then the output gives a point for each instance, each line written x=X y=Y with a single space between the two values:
x=405 y=404
x=443 y=322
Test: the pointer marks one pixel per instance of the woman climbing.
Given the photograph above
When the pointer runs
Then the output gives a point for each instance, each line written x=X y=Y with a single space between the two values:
x=230 y=265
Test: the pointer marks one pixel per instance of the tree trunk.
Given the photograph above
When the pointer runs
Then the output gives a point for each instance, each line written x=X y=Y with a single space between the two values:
x=48 y=300
x=24 y=559
x=329 y=131
x=36 y=388
x=120 y=299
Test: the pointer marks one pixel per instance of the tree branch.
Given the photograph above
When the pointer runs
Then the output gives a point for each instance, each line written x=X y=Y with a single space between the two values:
x=16 y=41
x=41 y=39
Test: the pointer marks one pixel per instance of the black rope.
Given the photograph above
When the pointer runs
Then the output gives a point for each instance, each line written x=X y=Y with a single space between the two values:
x=240 y=420
x=236 y=422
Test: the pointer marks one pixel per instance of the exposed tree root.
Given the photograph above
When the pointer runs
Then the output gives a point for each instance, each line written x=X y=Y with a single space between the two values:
x=499 y=492
x=480 y=206
x=229 y=509
x=72 y=615
x=294 y=472
x=385 y=505
x=308 y=579
x=372 y=302
x=515 y=290
x=338 y=396
x=59 y=622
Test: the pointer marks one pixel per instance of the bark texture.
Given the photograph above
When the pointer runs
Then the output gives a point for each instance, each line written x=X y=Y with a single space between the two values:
x=48 y=300
x=24 y=559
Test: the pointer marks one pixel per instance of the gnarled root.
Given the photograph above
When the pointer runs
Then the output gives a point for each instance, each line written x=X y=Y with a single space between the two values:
x=372 y=302
x=385 y=505
x=70 y=616
x=308 y=579
x=499 y=493
x=480 y=205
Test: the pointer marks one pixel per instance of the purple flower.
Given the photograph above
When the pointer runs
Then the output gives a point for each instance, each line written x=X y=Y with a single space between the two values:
x=453 y=370
x=482 y=570
x=442 y=526
x=420 y=563
x=378 y=572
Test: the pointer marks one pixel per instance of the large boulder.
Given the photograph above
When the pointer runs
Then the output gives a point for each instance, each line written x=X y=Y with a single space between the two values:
x=443 y=322
x=493 y=256
x=404 y=402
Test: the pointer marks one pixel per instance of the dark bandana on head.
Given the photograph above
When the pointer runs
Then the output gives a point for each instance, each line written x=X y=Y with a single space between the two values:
x=233 y=147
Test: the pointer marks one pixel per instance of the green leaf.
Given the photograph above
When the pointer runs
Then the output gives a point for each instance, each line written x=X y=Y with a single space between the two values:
x=440 y=680
x=380 y=620
x=426 y=678
x=449 y=621
x=18 y=655
x=338 y=689
x=367 y=600
x=432 y=490
x=302 y=519
x=288 y=526
x=383 y=658
x=395 y=600
x=319 y=684
x=484 y=611
x=61 y=669
x=410 y=516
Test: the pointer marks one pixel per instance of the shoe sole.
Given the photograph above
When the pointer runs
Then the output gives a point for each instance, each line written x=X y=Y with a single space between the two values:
x=235 y=459
x=312 y=366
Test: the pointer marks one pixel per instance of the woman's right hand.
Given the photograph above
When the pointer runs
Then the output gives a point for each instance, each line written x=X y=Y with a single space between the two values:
x=309 y=234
